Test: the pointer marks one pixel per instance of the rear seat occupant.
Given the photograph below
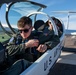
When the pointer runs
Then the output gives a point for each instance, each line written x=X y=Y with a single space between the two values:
x=46 y=33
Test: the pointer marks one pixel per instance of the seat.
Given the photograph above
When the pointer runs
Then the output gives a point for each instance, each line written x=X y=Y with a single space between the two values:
x=39 y=25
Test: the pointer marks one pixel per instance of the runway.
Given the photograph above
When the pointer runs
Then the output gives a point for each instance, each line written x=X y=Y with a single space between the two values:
x=66 y=64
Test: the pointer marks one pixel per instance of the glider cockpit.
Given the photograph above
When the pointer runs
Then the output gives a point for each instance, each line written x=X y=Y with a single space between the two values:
x=11 y=12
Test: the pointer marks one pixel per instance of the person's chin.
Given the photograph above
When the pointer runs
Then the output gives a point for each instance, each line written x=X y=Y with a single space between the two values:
x=24 y=37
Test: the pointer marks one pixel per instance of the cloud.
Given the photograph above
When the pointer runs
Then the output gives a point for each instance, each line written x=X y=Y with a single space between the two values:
x=5 y=25
x=53 y=2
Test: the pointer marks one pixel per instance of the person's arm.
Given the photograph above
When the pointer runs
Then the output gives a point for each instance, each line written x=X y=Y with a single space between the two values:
x=52 y=42
x=20 y=48
x=14 y=48
x=44 y=37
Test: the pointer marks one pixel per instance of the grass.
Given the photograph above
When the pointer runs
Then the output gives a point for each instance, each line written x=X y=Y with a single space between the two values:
x=4 y=37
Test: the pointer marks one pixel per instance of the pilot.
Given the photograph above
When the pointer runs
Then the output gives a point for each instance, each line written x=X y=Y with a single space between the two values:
x=20 y=52
x=17 y=53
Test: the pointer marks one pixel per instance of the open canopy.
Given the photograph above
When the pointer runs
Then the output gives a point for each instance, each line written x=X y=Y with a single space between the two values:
x=15 y=10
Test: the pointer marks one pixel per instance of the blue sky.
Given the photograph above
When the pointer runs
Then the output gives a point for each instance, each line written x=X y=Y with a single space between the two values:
x=56 y=5
x=60 y=5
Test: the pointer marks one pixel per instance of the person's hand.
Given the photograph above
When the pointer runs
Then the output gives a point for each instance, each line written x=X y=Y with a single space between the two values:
x=42 y=48
x=32 y=43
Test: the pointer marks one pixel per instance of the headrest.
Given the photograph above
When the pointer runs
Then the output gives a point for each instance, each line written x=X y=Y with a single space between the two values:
x=39 y=25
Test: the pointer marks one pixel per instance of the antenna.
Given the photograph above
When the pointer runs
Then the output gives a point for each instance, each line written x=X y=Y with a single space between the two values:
x=68 y=21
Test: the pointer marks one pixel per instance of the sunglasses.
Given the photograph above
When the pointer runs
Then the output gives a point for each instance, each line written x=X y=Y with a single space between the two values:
x=25 y=30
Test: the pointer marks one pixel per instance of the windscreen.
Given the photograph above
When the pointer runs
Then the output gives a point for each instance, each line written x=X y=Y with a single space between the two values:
x=19 y=9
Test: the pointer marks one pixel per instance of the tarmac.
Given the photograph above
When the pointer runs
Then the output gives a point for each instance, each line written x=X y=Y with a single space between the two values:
x=66 y=64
